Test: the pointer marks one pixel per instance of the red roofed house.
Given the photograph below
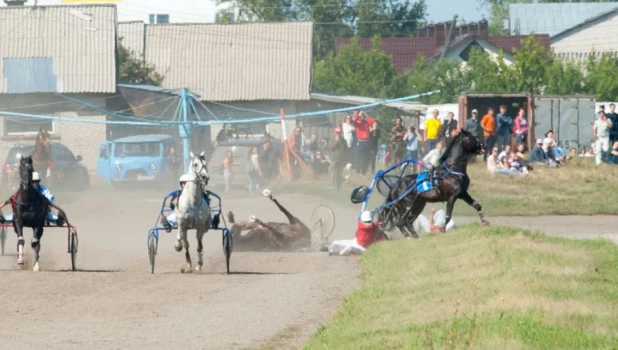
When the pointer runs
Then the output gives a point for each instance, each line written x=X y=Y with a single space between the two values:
x=432 y=40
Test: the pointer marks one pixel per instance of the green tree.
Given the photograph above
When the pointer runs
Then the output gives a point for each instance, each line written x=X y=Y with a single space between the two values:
x=135 y=70
x=601 y=76
x=529 y=68
x=564 y=79
x=446 y=76
x=487 y=75
x=357 y=72
x=338 y=18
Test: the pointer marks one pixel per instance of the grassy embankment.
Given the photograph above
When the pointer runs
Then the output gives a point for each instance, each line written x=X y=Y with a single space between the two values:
x=488 y=288
x=578 y=188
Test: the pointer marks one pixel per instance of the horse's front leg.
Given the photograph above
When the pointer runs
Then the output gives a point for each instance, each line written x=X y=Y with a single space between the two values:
x=200 y=250
x=19 y=230
x=465 y=196
x=450 y=204
x=36 y=246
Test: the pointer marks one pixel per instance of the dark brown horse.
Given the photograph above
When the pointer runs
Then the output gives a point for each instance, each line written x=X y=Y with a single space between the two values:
x=41 y=153
x=270 y=236
x=30 y=209
x=449 y=182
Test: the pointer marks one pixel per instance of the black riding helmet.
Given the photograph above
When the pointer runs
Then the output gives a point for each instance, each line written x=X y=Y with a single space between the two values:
x=359 y=194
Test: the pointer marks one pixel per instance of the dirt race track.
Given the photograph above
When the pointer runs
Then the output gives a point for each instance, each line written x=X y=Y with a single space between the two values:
x=113 y=302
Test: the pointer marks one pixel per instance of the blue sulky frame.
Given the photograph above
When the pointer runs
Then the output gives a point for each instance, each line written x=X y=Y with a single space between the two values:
x=404 y=165
x=215 y=211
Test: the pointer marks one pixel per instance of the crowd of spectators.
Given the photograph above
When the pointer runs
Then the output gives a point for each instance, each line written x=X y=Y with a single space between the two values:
x=354 y=145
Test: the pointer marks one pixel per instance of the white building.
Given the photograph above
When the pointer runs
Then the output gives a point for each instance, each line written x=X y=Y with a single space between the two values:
x=596 y=35
x=151 y=11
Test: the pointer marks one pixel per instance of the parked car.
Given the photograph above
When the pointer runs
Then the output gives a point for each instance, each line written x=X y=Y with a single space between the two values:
x=66 y=170
x=138 y=158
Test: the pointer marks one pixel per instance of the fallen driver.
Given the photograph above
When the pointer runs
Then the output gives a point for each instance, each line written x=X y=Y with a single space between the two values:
x=270 y=236
x=368 y=232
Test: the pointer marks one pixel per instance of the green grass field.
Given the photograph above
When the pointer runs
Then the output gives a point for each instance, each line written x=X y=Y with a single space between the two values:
x=488 y=288
x=578 y=188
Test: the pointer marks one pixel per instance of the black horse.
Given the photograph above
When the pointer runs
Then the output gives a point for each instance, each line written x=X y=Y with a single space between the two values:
x=30 y=208
x=449 y=183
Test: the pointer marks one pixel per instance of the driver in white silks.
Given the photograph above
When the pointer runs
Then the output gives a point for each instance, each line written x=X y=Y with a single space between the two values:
x=435 y=223
x=36 y=182
x=171 y=220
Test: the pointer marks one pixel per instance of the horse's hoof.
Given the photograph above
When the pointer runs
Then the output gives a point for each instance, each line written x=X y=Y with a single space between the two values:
x=485 y=223
x=20 y=261
x=198 y=269
x=178 y=246
x=36 y=268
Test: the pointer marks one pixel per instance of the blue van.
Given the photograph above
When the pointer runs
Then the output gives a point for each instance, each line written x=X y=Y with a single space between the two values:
x=140 y=158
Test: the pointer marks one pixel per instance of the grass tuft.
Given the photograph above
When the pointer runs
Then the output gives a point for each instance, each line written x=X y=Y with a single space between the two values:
x=481 y=287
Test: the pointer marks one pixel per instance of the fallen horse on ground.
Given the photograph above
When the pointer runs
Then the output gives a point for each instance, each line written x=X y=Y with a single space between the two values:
x=270 y=236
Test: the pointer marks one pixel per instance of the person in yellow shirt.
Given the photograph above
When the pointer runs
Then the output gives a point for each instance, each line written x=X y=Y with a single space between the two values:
x=432 y=126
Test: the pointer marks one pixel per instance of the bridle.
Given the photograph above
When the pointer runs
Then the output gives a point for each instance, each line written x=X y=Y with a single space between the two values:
x=203 y=167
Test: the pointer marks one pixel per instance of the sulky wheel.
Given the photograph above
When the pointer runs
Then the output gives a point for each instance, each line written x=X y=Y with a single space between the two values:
x=152 y=252
x=73 y=248
x=322 y=223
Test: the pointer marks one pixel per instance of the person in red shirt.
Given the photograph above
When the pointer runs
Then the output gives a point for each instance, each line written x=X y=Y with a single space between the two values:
x=362 y=122
x=367 y=233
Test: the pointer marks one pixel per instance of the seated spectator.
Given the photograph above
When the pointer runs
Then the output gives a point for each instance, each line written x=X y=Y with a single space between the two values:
x=613 y=155
x=494 y=166
x=505 y=153
x=538 y=155
x=516 y=166
x=320 y=164
x=582 y=152
x=572 y=153
x=551 y=145
x=521 y=155
x=492 y=160
x=590 y=151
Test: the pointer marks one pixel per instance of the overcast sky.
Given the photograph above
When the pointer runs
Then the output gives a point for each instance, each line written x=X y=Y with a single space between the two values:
x=444 y=10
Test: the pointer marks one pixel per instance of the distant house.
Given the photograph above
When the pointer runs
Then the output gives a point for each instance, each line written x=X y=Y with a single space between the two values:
x=596 y=35
x=51 y=50
x=433 y=41
x=553 y=18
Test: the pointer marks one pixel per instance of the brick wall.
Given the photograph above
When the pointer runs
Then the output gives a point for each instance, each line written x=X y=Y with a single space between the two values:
x=82 y=139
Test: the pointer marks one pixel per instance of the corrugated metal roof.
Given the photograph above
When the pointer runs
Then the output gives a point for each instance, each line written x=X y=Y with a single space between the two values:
x=132 y=34
x=553 y=18
x=237 y=62
x=79 y=43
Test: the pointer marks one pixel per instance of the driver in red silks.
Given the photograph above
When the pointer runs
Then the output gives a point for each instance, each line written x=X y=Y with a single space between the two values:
x=367 y=233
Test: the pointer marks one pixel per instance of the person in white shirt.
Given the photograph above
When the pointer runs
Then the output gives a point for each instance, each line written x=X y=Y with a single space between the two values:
x=600 y=132
x=505 y=153
x=432 y=158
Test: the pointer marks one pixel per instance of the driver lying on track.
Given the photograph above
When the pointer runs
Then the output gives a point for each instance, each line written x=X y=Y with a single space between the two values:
x=367 y=233
x=36 y=182
x=171 y=220
x=270 y=236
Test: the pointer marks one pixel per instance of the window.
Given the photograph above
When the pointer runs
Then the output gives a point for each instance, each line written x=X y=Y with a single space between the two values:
x=147 y=149
x=159 y=18
x=26 y=126
x=103 y=152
